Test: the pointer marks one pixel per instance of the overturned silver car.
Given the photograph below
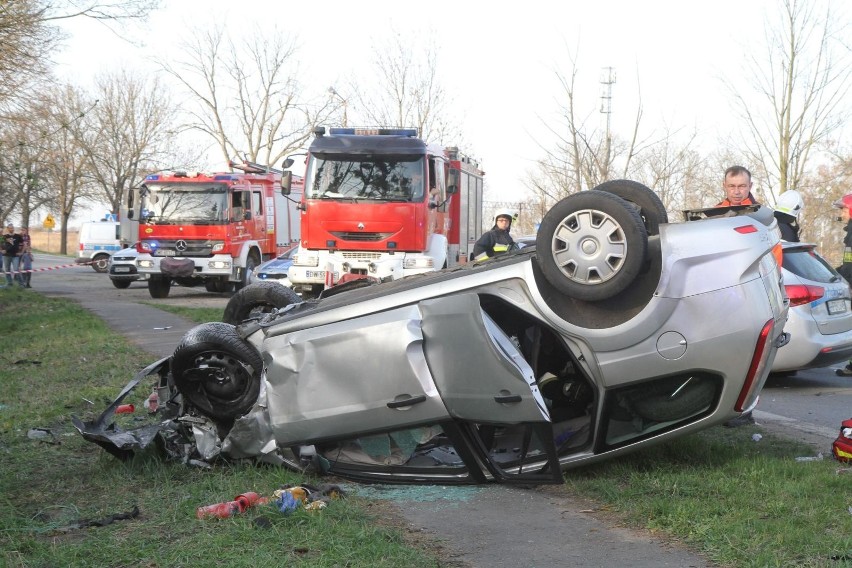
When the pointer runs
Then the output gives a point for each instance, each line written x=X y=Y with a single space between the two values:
x=616 y=331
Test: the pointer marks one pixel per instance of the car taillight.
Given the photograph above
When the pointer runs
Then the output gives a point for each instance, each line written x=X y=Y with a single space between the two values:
x=751 y=387
x=778 y=253
x=801 y=294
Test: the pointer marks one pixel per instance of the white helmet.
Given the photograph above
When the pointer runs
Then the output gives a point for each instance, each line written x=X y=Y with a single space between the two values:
x=506 y=213
x=791 y=203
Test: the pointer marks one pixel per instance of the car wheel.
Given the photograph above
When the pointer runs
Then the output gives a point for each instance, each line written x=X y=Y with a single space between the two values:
x=217 y=371
x=667 y=402
x=591 y=245
x=159 y=287
x=121 y=284
x=100 y=263
x=650 y=206
x=258 y=299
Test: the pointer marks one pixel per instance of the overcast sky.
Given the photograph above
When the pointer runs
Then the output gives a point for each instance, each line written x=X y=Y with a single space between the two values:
x=498 y=60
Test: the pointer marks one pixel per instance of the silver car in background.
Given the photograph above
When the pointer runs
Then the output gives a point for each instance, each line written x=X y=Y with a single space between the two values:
x=820 y=316
x=617 y=330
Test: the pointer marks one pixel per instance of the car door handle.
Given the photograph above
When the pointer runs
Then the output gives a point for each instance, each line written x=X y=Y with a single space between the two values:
x=508 y=398
x=407 y=402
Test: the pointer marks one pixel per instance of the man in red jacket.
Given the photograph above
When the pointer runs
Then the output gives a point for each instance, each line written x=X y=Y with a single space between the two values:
x=737 y=186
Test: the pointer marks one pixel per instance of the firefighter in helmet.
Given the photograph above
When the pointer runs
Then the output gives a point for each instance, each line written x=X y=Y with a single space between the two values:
x=787 y=211
x=497 y=240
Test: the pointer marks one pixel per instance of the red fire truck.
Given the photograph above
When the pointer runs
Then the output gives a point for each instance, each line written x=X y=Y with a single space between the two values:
x=210 y=228
x=383 y=203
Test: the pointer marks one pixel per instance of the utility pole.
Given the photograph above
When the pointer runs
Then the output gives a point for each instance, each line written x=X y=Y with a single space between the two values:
x=607 y=81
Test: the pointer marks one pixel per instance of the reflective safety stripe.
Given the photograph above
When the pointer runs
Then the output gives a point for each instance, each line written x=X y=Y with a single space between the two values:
x=501 y=248
x=480 y=257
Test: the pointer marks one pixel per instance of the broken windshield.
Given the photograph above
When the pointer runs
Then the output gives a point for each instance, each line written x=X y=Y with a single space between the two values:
x=390 y=179
x=189 y=203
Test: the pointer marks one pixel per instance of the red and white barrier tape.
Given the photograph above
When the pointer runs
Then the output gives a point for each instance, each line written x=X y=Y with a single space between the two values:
x=48 y=268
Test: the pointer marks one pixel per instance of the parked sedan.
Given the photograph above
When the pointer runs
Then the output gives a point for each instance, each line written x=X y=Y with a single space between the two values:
x=820 y=318
x=618 y=330
x=122 y=268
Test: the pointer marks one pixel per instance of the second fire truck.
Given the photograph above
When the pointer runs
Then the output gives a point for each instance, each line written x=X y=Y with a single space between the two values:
x=209 y=228
x=383 y=203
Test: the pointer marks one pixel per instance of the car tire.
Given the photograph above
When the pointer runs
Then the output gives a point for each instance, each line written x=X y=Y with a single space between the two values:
x=650 y=206
x=258 y=299
x=121 y=284
x=100 y=263
x=217 y=371
x=591 y=245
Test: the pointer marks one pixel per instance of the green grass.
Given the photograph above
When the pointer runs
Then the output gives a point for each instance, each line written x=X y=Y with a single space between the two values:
x=59 y=360
x=739 y=502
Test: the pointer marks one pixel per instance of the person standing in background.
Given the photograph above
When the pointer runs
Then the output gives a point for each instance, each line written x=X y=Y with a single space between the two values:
x=12 y=246
x=26 y=257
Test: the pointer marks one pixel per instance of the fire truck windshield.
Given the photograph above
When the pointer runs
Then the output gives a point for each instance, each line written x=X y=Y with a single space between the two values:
x=390 y=179
x=189 y=203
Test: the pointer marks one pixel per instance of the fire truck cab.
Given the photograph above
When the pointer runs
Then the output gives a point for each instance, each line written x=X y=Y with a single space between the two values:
x=382 y=203
x=210 y=228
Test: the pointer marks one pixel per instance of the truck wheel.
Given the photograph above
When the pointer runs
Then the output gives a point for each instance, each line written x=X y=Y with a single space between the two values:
x=121 y=284
x=217 y=371
x=257 y=299
x=591 y=245
x=251 y=263
x=159 y=287
x=217 y=285
x=100 y=262
x=650 y=206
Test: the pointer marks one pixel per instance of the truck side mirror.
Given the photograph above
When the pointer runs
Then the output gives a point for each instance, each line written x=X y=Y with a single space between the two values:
x=286 y=180
x=453 y=181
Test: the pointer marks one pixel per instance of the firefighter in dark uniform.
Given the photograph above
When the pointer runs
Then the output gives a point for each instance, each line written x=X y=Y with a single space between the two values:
x=497 y=240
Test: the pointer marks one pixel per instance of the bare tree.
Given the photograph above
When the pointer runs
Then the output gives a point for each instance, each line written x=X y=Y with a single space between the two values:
x=65 y=158
x=247 y=95
x=584 y=154
x=128 y=133
x=28 y=34
x=802 y=81
x=406 y=90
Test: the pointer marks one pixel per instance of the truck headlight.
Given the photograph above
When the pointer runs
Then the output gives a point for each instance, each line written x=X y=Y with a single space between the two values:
x=304 y=259
x=218 y=246
x=219 y=264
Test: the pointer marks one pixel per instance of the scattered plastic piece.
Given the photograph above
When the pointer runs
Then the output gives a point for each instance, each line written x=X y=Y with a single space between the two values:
x=125 y=409
x=230 y=508
x=38 y=433
x=817 y=457
x=756 y=437
x=162 y=328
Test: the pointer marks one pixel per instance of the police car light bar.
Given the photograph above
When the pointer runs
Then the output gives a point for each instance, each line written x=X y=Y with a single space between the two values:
x=374 y=131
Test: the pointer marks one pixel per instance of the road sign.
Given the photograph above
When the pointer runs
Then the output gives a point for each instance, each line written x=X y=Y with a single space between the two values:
x=49 y=222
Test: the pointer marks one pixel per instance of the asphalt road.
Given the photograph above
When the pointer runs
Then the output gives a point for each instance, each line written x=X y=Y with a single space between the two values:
x=491 y=526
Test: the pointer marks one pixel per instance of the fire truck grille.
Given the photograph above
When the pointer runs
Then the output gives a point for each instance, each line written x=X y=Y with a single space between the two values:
x=361 y=255
x=363 y=237
x=187 y=248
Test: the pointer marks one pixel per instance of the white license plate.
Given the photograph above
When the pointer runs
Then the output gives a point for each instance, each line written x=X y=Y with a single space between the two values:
x=121 y=269
x=164 y=252
x=836 y=306
x=315 y=273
